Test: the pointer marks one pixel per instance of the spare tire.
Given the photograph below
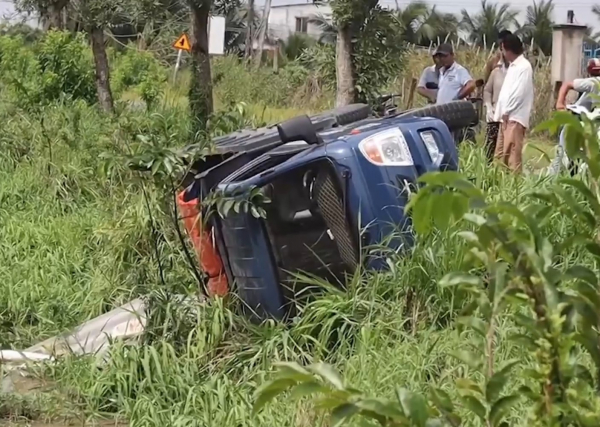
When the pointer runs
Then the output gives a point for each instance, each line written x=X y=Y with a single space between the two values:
x=456 y=114
x=345 y=115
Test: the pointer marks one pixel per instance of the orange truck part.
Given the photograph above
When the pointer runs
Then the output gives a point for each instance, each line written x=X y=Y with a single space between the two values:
x=202 y=240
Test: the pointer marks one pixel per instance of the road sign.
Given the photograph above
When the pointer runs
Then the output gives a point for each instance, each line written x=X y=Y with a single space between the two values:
x=183 y=43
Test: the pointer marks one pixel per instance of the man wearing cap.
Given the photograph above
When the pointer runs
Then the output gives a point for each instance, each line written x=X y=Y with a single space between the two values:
x=455 y=81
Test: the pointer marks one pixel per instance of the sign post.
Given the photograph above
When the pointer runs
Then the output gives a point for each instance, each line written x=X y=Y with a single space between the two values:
x=182 y=43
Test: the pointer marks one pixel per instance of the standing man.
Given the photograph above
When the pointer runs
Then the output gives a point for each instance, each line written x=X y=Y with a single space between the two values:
x=455 y=81
x=490 y=99
x=496 y=60
x=588 y=89
x=514 y=105
x=430 y=74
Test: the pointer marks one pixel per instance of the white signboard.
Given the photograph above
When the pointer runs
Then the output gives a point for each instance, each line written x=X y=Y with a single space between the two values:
x=216 y=35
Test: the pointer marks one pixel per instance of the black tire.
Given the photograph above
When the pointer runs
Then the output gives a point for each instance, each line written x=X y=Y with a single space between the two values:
x=345 y=115
x=456 y=114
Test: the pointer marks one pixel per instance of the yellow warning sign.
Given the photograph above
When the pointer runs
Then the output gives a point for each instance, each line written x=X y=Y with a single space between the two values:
x=183 y=43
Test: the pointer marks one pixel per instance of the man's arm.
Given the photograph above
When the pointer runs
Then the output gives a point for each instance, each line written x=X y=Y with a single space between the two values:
x=490 y=65
x=467 y=82
x=430 y=94
x=562 y=95
x=467 y=89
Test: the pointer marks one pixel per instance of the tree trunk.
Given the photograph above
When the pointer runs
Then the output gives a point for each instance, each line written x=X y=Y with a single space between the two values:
x=344 y=70
x=200 y=97
x=263 y=32
x=54 y=15
x=249 y=30
x=105 y=98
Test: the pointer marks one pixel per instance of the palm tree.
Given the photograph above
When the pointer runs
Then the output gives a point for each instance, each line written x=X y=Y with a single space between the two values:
x=537 y=28
x=411 y=20
x=484 y=27
x=437 y=27
x=326 y=27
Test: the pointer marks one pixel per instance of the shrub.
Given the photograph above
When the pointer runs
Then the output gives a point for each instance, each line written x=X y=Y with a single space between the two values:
x=138 y=68
x=66 y=66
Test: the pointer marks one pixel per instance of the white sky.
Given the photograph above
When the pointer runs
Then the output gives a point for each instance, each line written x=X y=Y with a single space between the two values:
x=582 y=8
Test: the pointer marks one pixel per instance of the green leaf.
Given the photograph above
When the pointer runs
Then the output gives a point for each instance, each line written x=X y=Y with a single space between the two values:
x=414 y=406
x=475 y=323
x=441 y=399
x=584 y=191
x=328 y=374
x=307 y=389
x=466 y=357
x=474 y=405
x=501 y=407
x=497 y=382
x=268 y=392
x=343 y=413
x=582 y=273
x=441 y=213
x=467 y=385
x=455 y=279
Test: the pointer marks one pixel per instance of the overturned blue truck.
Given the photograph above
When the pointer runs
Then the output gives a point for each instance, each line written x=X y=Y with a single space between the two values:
x=337 y=184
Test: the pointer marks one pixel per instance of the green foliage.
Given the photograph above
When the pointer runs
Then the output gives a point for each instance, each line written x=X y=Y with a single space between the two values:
x=132 y=67
x=59 y=66
x=234 y=83
x=378 y=55
x=66 y=66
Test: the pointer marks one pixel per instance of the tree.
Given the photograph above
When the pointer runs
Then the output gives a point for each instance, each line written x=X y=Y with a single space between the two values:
x=537 y=28
x=328 y=31
x=411 y=20
x=348 y=17
x=96 y=15
x=249 y=30
x=484 y=27
x=200 y=95
x=49 y=11
x=437 y=27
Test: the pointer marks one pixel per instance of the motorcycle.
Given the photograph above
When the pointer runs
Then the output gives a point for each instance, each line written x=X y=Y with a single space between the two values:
x=562 y=160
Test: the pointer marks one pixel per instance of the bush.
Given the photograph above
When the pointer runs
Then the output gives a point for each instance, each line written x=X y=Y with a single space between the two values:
x=138 y=68
x=67 y=67
x=59 y=66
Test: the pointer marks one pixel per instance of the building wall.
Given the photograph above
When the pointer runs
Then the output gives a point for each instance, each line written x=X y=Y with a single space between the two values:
x=283 y=19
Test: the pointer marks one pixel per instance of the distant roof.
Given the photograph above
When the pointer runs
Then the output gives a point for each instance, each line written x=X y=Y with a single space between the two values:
x=292 y=3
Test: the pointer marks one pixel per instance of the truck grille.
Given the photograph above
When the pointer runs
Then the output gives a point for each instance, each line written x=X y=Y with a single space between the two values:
x=332 y=209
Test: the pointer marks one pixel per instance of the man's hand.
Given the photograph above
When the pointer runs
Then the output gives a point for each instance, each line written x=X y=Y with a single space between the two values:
x=560 y=106
x=505 y=118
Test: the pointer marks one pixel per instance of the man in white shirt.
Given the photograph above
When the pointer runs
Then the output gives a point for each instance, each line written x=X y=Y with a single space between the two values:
x=455 y=81
x=514 y=105
x=587 y=88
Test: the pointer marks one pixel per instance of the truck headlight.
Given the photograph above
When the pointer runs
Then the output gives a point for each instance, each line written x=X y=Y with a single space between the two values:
x=432 y=147
x=387 y=148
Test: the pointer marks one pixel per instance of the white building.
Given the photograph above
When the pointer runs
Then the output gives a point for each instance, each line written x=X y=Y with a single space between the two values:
x=289 y=18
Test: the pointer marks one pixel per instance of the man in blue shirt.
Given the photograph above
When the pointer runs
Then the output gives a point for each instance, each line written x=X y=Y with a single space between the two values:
x=455 y=82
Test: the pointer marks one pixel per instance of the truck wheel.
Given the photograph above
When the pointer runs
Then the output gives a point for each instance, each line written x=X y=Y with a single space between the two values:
x=344 y=115
x=456 y=114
